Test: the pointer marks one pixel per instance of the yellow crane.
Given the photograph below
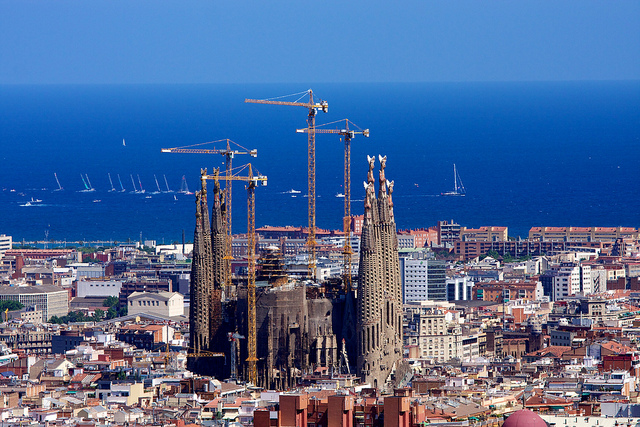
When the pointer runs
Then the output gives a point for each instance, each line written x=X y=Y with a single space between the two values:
x=204 y=354
x=229 y=154
x=313 y=107
x=252 y=181
x=348 y=134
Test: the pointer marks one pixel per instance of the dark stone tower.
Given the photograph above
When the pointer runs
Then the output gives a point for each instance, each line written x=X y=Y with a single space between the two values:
x=207 y=281
x=379 y=305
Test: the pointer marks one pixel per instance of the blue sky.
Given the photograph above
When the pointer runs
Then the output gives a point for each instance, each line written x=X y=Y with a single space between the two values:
x=218 y=41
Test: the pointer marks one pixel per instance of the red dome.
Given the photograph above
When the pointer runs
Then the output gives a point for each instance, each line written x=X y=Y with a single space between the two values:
x=524 y=418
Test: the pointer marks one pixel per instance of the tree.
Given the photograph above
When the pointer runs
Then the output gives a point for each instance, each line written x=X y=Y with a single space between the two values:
x=98 y=315
x=493 y=254
x=11 y=305
x=75 y=316
x=112 y=313
x=110 y=301
x=56 y=319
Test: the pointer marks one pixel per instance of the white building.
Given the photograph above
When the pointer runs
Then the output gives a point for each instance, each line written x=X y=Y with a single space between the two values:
x=166 y=304
x=83 y=269
x=5 y=244
x=98 y=288
x=572 y=279
x=422 y=279
x=52 y=300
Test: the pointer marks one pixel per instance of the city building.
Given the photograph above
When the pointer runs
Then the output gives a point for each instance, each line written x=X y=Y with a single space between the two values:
x=484 y=234
x=448 y=233
x=52 y=300
x=507 y=290
x=5 y=244
x=459 y=288
x=423 y=277
x=433 y=329
x=29 y=314
x=582 y=234
x=165 y=304
x=98 y=288
x=568 y=279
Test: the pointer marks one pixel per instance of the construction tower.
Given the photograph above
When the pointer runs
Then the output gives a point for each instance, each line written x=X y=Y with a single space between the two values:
x=313 y=107
x=348 y=135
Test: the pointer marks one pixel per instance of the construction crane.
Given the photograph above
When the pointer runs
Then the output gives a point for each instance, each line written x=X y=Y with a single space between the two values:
x=204 y=354
x=313 y=107
x=348 y=134
x=252 y=182
x=229 y=154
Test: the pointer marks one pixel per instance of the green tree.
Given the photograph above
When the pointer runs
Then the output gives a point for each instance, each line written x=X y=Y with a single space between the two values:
x=493 y=254
x=56 y=319
x=122 y=311
x=76 y=316
x=110 y=301
x=98 y=315
x=112 y=313
x=11 y=305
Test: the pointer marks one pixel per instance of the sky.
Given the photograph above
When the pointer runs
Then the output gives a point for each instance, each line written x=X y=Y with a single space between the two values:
x=220 y=41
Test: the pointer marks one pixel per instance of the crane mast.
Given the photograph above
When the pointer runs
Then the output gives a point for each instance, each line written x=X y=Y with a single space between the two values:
x=311 y=169
x=229 y=154
x=348 y=134
x=252 y=182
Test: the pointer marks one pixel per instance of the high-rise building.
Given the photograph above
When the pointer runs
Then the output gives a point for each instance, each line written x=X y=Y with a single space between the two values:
x=423 y=278
x=379 y=305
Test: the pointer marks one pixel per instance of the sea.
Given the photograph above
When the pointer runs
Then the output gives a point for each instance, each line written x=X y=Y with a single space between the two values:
x=528 y=154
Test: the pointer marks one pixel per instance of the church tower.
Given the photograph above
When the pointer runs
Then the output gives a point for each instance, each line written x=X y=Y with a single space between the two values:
x=207 y=281
x=379 y=305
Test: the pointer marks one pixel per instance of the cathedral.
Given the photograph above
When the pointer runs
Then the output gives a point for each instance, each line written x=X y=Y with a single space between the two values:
x=297 y=330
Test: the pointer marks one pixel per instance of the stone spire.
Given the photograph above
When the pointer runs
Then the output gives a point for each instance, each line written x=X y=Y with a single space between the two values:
x=379 y=308
x=199 y=295
x=217 y=337
x=218 y=234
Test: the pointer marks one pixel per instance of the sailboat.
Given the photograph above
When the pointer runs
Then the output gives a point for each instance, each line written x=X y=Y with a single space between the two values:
x=123 y=144
x=87 y=187
x=111 y=182
x=157 y=185
x=184 y=188
x=121 y=186
x=140 y=182
x=458 y=188
x=59 y=186
x=89 y=182
x=135 y=190
x=167 y=184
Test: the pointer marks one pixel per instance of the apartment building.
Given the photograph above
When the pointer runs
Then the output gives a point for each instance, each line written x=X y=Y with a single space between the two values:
x=433 y=327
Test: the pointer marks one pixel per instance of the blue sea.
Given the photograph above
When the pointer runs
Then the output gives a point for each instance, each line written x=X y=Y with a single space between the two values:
x=528 y=154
